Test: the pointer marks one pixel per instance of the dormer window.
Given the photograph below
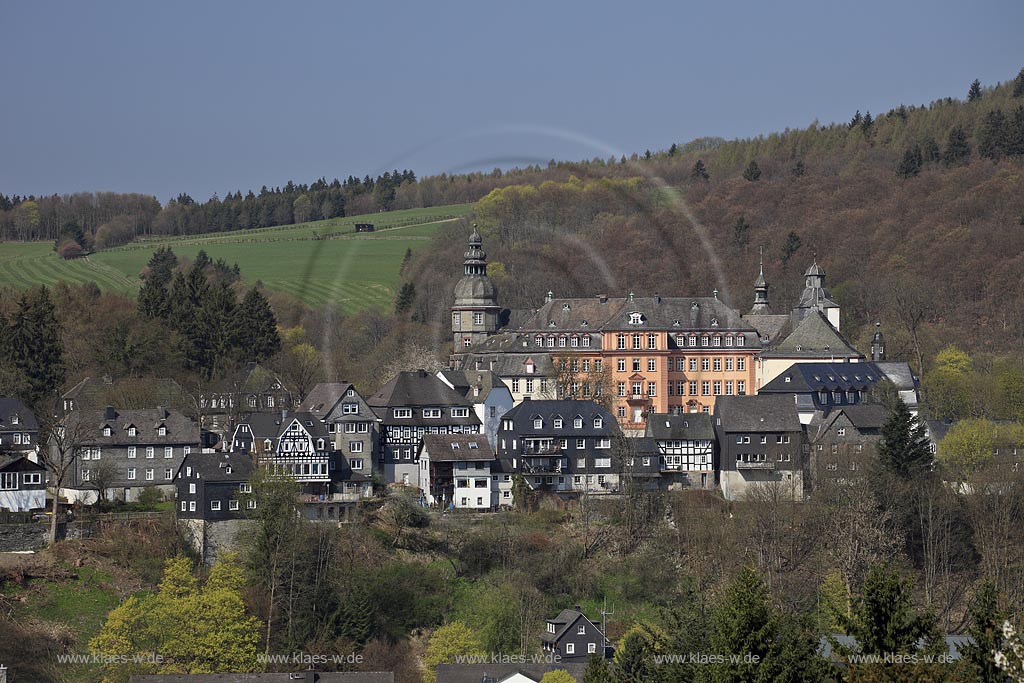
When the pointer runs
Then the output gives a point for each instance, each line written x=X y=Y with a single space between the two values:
x=15 y=419
x=598 y=423
x=162 y=431
x=266 y=444
x=788 y=379
x=636 y=318
x=106 y=431
x=132 y=431
x=714 y=322
x=538 y=423
x=577 y=423
x=558 y=423
x=565 y=307
x=551 y=627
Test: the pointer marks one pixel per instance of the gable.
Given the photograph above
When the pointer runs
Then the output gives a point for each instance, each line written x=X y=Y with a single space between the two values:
x=518 y=677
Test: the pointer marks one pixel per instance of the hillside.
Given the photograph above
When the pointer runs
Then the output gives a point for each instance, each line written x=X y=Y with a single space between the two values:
x=319 y=262
x=935 y=252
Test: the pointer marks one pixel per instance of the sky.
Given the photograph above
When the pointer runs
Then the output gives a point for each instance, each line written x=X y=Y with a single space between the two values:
x=205 y=97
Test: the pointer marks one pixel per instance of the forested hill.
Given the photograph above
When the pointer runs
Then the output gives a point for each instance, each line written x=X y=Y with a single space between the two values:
x=916 y=214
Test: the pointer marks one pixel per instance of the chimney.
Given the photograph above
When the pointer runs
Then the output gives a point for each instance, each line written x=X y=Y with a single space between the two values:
x=578 y=609
x=108 y=414
x=284 y=414
x=603 y=298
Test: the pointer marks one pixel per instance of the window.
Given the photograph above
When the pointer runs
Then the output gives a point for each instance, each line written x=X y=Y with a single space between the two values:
x=621 y=388
x=162 y=431
x=604 y=442
x=718 y=365
x=705 y=340
x=478 y=318
x=705 y=388
x=582 y=630
x=591 y=648
x=538 y=423
x=693 y=388
x=693 y=365
x=515 y=385
x=558 y=423
x=637 y=342
x=638 y=388
x=270 y=401
x=215 y=505
x=577 y=423
x=652 y=365
x=716 y=341
x=741 y=388
x=169 y=473
x=728 y=340
x=31 y=477
x=620 y=341
x=149 y=474
x=184 y=506
x=432 y=412
x=561 y=342
x=693 y=340
x=350 y=428
x=355 y=446
x=680 y=364
x=131 y=451
x=106 y=431
x=349 y=408
x=602 y=462
x=586 y=340
x=586 y=365
x=402 y=412
x=86 y=474
x=841 y=431
x=551 y=342
x=233 y=505
x=356 y=463
x=741 y=364
x=581 y=443
x=681 y=388
x=621 y=411
x=598 y=423
x=168 y=451
x=574 y=341
x=529 y=390
x=574 y=365
x=250 y=504
x=245 y=488
x=705 y=364
x=652 y=389
x=652 y=341
x=764 y=438
x=621 y=367
x=636 y=365
x=463 y=412
x=728 y=387
x=739 y=340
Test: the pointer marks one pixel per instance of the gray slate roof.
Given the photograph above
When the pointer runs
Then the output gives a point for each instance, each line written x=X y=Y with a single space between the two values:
x=213 y=466
x=495 y=673
x=416 y=388
x=456 y=447
x=180 y=429
x=94 y=393
x=773 y=326
x=812 y=377
x=761 y=413
x=658 y=313
x=814 y=337
x=322 y=398
x=273 y=425
x=463 y=382
x=26 y=419
x=900 y=374
x=297 y=677
x=8 y=459
x=687 y=427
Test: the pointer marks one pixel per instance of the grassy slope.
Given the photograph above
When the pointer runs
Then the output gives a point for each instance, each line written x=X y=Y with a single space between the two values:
x=351 y=271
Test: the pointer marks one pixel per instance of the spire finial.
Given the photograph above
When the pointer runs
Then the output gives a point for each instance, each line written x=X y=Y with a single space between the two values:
x=760 y=251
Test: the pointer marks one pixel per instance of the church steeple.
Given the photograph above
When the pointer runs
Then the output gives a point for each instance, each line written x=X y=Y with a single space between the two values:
x=761 y=290
x=878 y=345
x=475 y=313
x=476 y=257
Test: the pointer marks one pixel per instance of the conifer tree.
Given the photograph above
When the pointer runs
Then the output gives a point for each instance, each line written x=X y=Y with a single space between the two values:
x=34 y=347
x=992 y=135
x=406 y=295
x=856 y=121
x=1018 y=84
x=985 y=629
x=930 y=153
x=752 y=172
x=958 y=149
x=904 y=448
x=866 y=123
x=882 y=619
x=792 y=245
x=911 y=163
x=975 y=91
x=698 y=172
x=153 y=300
x=258 y=338
x=597 y=670
x=741 y=231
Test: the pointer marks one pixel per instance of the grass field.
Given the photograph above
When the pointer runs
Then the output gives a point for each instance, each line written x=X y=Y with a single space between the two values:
x=324 y=262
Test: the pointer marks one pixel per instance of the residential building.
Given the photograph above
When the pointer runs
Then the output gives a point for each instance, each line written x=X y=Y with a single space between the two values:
x=22 y=483
x=354 y=433
x=297 y=445
x=761 y=442
x=126 y=451
x=486 y=392
x=573 y=637
x=569 y=446
x=213 y=486
x=844 y=441
x=19 y=429
x=505 y=673
x=528 y=373
x=253 y=389
x=686 y=450
x=127 y=393
x=455 y=470
x=822 y=387
x=410 y=406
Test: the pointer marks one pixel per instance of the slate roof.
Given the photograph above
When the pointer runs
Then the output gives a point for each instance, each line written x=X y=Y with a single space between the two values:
x=296 y=677
x=495 y=673
x=250 y=378
x=582 y=314
x=813 y=377
x=8 y=459
x=814 y=336
x=323 y=397
x=522 y=416
x=761 y=413
x=456 y=447
x=774 y=326
x=273 y=425
x=687 y=427
x=26 y=419
x=509 y=364
x=180 y=429
x=416 y=388
x=95 y=393
x=900 y=374
x=463 y=382
x=563 y=622
x=213 y=466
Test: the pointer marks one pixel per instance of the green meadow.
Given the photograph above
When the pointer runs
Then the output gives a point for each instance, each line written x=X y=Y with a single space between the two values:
x=324 y=262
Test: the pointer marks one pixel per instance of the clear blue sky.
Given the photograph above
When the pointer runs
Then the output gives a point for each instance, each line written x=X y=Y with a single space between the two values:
x=203 y=97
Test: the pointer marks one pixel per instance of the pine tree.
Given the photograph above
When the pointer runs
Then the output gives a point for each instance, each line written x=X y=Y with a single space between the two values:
x=597 y=670
x=258 y=325
x=34 y=346
x=986 y=632
x=698 y=172
x=743 y=623
x=161 y=265
x=672 y=150
x=958 y=149
x=975 y=91
x=882 y=619
x=153 y=300
x=911 y=163
x=218 y=317
x=856 y=121
x=904 y=448
x=1015 y=133
x=866 y=123
x=930 y=150
x=406 y=295
x=1018 y=84
x=752 y=172
x=992 y=135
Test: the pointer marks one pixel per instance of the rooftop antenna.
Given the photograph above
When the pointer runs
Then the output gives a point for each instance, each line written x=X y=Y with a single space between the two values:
x=604 y=628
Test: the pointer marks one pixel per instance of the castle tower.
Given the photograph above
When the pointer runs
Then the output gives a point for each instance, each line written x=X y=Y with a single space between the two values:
x=878 y=345
x=761 y=291
x=816 y=298
x=476 y=310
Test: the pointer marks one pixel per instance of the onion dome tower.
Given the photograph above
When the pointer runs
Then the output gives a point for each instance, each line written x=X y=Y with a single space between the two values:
x=761 y=292
x=476 y=310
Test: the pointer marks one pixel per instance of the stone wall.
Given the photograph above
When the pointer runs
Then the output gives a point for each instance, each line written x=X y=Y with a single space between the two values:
x=23 y=537
x=210 y=539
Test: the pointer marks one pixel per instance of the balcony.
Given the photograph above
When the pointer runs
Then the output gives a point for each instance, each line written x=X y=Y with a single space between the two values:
x=764 y=465
x=542 y=449
x=551 y=468
x=330 y=498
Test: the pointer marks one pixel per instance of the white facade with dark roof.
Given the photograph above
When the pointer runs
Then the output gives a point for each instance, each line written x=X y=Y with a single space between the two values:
x=457 y=470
